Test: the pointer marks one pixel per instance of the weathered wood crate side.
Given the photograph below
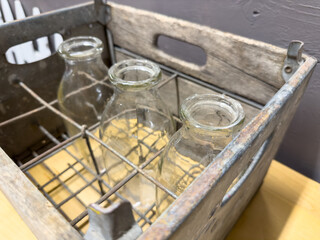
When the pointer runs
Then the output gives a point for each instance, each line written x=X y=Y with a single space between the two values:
x=243 y=66
x=197 y=214
x=232 y=209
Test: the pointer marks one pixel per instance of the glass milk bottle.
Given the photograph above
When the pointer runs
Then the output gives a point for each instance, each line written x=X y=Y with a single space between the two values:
x=136 y=123
x=84 y=88
x=209 y=124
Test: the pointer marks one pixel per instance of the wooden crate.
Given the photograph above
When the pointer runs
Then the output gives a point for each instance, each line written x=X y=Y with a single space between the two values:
x=256 y=73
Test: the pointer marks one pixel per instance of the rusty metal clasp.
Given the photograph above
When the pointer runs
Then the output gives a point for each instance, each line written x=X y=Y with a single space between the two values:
x=293 y=60
x=113 y=223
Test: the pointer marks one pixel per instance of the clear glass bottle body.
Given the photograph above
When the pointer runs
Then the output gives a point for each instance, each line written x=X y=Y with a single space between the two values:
x=209 y=124
x=136 y=123
x=84 y=88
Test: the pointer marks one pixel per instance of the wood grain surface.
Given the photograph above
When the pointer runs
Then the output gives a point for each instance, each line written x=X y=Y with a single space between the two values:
x=233 y=63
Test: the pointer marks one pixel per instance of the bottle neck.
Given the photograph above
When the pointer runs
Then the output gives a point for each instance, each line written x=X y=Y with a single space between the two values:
x=217 y=139
x=81 y=51
x=71 y=63
x=211 y=118
x=134 y=75
x=134 y=92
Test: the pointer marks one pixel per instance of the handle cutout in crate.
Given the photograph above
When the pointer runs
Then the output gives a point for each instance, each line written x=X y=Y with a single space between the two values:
x=31 y=51
x=241 y=178
x=34 y=51
x=180 y=49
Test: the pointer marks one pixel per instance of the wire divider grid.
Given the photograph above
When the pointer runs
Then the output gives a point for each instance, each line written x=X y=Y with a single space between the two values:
x=142 y=216
x=87 y=134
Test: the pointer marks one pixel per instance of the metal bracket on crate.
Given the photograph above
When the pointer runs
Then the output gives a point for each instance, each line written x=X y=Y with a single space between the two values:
x=113 y=223
x=102 y=11
x=293 y=60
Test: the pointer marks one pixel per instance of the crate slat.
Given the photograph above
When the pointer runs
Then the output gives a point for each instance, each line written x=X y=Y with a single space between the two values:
x=234 y=63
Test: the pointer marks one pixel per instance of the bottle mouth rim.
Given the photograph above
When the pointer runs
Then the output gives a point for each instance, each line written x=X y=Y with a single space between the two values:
x=193 y=102
x=147 y=67
x=80 y=48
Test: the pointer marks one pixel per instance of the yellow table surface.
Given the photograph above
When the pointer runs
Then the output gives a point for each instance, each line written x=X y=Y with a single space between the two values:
x=286 y=207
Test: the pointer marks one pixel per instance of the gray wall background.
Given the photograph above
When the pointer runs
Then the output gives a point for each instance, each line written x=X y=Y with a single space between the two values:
x=273 y=21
